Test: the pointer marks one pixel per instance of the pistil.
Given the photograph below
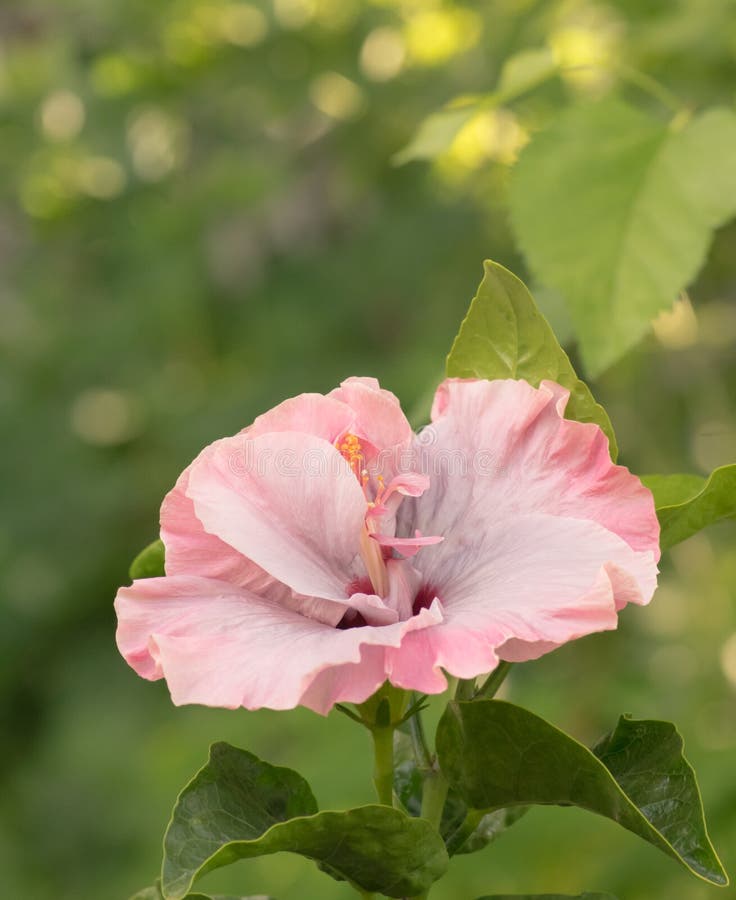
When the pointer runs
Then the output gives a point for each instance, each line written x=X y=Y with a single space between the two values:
x=371 y=552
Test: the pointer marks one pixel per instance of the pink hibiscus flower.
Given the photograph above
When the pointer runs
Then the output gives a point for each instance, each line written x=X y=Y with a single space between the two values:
x=326 y=548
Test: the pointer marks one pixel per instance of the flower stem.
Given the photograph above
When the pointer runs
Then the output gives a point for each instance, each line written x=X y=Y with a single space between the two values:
x=422 y=753
x=383 y=770
x=434 y=795
x=650 y=86
x=468 y=826
x=465 y=689
x=493 y=682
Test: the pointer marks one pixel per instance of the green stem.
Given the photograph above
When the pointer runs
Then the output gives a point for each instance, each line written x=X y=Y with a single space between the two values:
x=383 y=770
x=468 y=826
x=493 y=682
x=649 y=85
x=465 y=689
x=422 y=753
x=434 y=795
x=452 y=684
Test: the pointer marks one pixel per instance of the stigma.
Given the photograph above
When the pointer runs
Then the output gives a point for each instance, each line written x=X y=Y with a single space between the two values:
x=371 y=553
x=352 y=452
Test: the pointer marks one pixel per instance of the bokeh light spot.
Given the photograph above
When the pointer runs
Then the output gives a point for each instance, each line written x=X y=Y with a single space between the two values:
x=62 y=116
x=728 y=660
x=294 y=14
x=242 y=24
x=436 y=35
x=677 y=328
x=584 y=46
x=382 y=54
x=114 y=75
x=492 y=135
x=101 y=177
x=158 y=143
x=336 y=96
x=105 y=417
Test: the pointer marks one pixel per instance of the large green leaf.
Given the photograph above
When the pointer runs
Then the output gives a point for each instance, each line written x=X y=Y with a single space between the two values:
x=615 y=209
x=150 y=561
x=504 y=335
x=238 y=807
x=497 y=755
x=688 y=503
x=521 y=73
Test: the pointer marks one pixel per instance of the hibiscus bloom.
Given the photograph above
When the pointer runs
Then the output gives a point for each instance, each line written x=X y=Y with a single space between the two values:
x=326 y=548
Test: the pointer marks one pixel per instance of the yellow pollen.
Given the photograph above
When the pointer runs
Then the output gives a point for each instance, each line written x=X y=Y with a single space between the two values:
x=352 y=451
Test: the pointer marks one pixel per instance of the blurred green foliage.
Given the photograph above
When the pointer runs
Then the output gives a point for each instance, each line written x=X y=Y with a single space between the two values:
x=199 y=217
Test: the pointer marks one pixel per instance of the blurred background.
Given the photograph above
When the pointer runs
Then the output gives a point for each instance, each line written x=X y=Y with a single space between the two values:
x=198 y=218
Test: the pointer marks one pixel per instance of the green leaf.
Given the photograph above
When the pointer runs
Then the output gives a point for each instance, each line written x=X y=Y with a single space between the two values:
x=521 y=73
x=585 y=896
x=525 y=71
x=239 y=807
x=498 y=755
x=616 y=210
x=491 y=826
x=437 y=132
x=150 y=562
x=688 y=503
x=505 y=336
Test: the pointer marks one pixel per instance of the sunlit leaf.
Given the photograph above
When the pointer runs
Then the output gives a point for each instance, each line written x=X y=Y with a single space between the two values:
x=688 y=503
x=521 y=73
x=615 y=209
x=496 y=755
x=239 y=807
x=505 y=336
x=524 y=71
x=437 y=132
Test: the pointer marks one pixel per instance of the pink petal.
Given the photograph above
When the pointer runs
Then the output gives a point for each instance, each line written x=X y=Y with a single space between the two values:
x=408 y=484
x=355 y=385
x=537 y=580
x=315 y=414
x=287 y=501
x=366 y=381
x=505 y=444
x=372 y=608
x=419 y=664
x=190 y=550
x=378 y=417
x=403 y=583
x=407 y=547
x=544 y=537
x=220 y=645
x=347 y=683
